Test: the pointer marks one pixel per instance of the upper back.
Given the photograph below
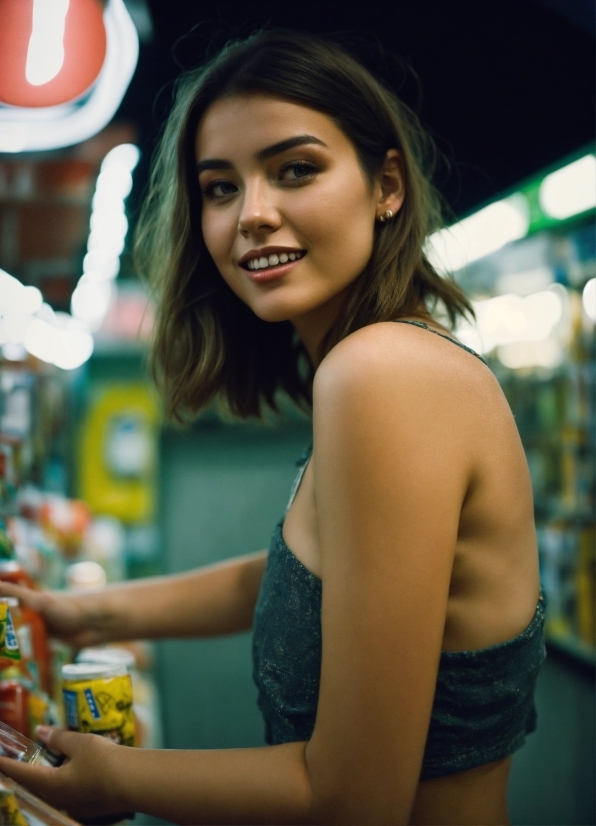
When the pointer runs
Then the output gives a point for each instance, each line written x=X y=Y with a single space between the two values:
x=494 y=583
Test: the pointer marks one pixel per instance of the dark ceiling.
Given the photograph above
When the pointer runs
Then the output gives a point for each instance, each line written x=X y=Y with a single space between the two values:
x=506 y=88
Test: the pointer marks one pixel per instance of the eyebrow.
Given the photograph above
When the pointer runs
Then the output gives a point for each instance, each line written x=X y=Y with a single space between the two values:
x=263 y=154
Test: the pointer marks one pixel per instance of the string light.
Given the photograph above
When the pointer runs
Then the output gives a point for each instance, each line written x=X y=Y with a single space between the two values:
x=108 y=225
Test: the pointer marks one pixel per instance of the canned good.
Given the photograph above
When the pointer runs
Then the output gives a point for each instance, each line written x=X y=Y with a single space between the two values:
x=98 y=700
x=107 y=655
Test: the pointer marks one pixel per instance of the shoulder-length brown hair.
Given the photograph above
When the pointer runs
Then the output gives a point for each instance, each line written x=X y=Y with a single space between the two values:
x=207 y=343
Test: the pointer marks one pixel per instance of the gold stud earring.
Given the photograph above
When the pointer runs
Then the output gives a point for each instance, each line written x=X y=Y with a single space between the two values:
x=386 y=216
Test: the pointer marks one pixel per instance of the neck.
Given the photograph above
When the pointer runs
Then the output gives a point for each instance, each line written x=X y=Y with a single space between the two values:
x=313 y=326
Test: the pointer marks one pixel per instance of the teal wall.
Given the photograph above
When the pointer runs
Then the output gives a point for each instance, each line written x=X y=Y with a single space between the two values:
x=223 y=489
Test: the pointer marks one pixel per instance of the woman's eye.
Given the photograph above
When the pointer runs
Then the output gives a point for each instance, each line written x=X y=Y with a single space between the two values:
x=298 y=171
x=219 y=189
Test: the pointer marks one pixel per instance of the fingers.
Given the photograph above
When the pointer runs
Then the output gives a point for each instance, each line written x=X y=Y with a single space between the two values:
x=58 y=739
x=29 y=597
x=8 y=589
x=34 y=778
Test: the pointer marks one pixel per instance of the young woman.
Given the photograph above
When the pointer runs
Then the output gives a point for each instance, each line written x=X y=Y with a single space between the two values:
x=397 y=617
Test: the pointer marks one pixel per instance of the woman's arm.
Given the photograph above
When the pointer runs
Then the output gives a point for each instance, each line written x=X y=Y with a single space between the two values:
x=259 y=785
x=216 y=599
x=392 y=464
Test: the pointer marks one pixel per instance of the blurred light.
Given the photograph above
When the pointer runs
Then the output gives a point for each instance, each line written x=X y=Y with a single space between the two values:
x=17 y=298
x=509 y=319
x=45 y=54
x=46 y=313
x=99 y=266
x=113 y=185
x=85 y=576
x=569 y=190
x=470 y=336
x=526 y=282
x=106 y=242
x=66 y=348
x=125 y=155
x=90 y=302
x=50 y=127
x=520 y=354
x=64 y=321
x=13 y=137
x=484 y=232
x=28 y=324
x=13 y=352
x=108 y=224
x=111 y=221
x=51 y=52
x=14 y=326
x=589 y=299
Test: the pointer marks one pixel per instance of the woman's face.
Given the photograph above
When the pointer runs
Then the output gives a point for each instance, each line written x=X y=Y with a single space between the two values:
x=288 y=215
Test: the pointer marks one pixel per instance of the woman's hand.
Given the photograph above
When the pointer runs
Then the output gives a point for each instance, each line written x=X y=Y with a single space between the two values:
x=84 y=785
x=64 y=614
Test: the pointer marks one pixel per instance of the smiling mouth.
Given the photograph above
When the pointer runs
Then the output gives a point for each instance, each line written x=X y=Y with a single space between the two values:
x=266 y=262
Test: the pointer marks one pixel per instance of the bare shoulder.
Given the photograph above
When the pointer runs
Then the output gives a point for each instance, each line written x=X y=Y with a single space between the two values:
x=385 y=360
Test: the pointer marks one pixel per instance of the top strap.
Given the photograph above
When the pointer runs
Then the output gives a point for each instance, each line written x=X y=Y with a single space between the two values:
x=302 y=464
x=437 y=333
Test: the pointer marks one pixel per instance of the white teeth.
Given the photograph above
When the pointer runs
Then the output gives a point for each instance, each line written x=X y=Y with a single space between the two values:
x=273 y=260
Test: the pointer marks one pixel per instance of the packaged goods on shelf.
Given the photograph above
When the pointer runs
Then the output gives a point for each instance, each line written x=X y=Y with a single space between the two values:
x=136 y=657
x=551 y=391
x=48 y=539
x=20 y=807
x=98 y=699
x=10 y=811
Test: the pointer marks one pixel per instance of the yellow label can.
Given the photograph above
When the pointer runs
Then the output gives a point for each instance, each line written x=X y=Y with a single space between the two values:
x=98 y=700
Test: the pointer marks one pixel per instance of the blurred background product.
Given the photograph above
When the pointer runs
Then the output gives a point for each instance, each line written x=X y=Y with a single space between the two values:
x=21 y=808
x=95 y=488
x=535 y=300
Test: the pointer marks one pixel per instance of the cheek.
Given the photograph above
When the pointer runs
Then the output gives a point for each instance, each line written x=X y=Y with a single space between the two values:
x=341 y=227
x=218 y=233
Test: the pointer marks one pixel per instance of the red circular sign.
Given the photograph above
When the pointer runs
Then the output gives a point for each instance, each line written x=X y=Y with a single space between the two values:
x=51 y=51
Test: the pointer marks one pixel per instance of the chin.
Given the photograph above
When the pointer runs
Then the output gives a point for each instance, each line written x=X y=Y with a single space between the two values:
x=277 y=306
x=275 y=312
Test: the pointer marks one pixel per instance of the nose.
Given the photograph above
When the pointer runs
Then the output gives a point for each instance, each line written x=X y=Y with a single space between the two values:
x=259 y=213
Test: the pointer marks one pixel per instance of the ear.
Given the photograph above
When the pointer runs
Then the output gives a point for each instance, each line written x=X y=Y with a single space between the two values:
x=391 y=180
